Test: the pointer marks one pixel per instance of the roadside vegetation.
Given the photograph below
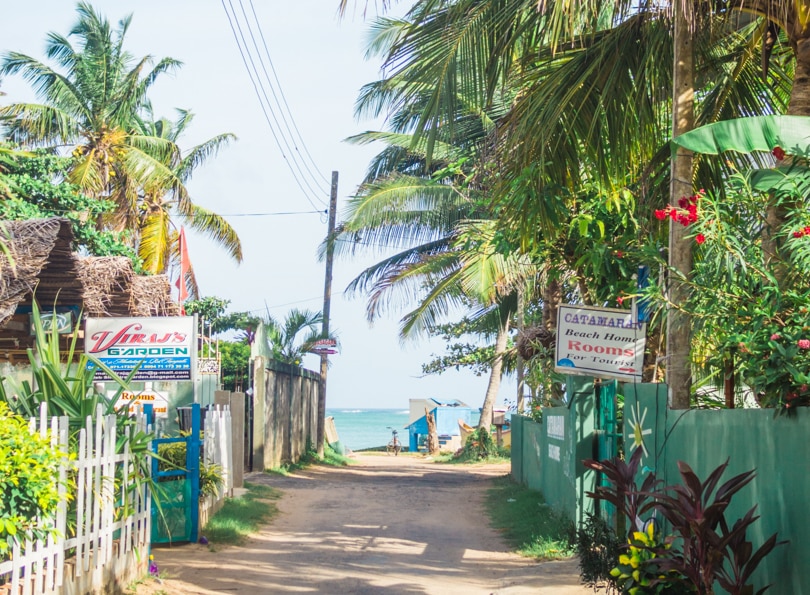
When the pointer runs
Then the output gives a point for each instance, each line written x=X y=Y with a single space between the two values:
x=530 y=526
x=330 y=457
x=240 y=517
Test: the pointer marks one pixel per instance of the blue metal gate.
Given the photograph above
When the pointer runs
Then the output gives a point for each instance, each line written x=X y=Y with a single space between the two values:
x=176 y=501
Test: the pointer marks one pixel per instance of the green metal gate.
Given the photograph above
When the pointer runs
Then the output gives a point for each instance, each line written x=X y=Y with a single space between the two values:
x=606 y=438
x=176 y=495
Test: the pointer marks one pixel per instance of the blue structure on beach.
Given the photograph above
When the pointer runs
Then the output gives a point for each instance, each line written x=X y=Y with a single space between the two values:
x=446 y=413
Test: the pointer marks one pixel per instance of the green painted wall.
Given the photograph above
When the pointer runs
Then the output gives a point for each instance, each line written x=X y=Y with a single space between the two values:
x=548 y=456
x=776 y=447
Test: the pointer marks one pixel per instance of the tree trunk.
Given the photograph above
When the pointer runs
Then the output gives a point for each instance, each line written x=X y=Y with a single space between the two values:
x=679 y=370
x=433 y=435
x=495 y=374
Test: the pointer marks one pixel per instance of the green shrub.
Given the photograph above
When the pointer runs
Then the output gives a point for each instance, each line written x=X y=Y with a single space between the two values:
x=29 y=482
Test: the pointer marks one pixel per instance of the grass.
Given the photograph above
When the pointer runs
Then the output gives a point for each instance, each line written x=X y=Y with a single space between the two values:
x=330 y=457
x=528 y=523
x=242 y=516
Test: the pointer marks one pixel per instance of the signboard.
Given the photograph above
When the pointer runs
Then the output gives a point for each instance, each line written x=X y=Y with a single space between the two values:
x=208 y=366
x=601 y=342
x=63 y=321
x=324 y=347
x=164 y=347
x=160 y=404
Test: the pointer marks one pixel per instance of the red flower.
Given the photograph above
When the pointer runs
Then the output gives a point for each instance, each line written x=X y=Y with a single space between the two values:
x=673 y=214
x=798 y=234
x=807 y=230
x=803 y=343
x=779 y=153
x=619 y=300
x=776 y=337
x=700 y=238
x=619 y=254
x=684 y=220
x=684 y=202
x=660 y=214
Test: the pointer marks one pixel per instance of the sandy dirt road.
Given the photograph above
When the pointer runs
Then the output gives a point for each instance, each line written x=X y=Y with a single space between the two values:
x=384 y=525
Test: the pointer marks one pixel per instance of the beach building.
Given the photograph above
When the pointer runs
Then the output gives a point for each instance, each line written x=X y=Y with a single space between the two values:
x=447 y=415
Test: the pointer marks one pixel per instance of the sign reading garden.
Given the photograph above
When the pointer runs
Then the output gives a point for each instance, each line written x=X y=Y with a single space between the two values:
x=602 y=342
x=164 y=348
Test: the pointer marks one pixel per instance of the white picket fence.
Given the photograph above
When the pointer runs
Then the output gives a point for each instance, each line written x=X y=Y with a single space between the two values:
x=101 y=547
x=218 y=447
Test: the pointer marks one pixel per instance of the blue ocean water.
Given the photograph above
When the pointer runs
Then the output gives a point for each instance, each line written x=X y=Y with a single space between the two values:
x=368 y=428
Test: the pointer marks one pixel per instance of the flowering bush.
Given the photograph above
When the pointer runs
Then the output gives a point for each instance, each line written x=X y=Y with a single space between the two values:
x=777 y=359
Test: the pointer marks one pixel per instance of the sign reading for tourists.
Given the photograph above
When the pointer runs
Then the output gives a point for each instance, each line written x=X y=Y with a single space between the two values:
x=164 y=348
x=601 y=342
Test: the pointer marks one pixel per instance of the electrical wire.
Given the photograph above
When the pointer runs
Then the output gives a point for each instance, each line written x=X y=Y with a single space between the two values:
x=284 y=99
x=277 y=102
x=261 y=103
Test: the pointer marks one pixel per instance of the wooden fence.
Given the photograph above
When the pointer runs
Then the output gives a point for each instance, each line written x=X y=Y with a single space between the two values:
x=101 y=552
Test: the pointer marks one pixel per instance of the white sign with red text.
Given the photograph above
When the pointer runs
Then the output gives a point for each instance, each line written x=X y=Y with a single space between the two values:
x=600 y=342
x=133 y=401
x=163 y=348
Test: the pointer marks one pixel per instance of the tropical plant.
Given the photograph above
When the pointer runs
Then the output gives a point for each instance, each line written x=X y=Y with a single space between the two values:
x=704 y=547
x=29 y=482
x=40 y=191
x=290 y=339
x=161 y=206
x=95 y=100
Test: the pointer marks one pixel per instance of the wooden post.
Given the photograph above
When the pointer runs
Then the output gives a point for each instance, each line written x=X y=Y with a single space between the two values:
x=433 y=434
x=327 y=300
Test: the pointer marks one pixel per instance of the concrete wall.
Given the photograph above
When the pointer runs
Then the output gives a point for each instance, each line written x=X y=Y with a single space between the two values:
x=285 y=415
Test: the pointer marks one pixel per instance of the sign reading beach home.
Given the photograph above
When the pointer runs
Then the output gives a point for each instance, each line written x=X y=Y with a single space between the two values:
x=602 y=342
x=164 y=347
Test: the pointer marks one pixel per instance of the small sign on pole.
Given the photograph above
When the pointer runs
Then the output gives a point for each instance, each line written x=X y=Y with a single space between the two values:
x=600 y=342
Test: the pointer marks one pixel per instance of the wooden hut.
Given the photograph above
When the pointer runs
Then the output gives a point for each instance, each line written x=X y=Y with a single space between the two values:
x=38 y=261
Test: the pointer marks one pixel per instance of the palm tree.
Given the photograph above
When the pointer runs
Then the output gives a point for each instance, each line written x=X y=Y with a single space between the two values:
x=290 y=339
x=90 y=105
x=160 y=208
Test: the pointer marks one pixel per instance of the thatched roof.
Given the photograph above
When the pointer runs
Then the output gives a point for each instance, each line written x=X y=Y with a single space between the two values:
x=107 y=282
x=151 y=296
x=42 y=261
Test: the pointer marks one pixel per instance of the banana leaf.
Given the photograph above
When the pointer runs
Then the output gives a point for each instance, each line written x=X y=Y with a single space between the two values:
x=746 y=135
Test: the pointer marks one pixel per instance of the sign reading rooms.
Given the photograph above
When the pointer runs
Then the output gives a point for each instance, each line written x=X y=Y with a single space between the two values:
x=601 y=342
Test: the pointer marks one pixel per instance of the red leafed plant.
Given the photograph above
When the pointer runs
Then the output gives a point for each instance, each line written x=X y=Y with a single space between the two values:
x=702 y=548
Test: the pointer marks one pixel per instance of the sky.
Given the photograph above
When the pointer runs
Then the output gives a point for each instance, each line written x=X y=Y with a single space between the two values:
x=319 y=60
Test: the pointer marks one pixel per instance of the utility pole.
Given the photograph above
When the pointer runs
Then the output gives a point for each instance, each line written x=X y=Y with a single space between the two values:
x=327 y=301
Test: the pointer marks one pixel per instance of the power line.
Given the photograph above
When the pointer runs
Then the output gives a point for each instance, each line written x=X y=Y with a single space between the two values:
x=261 y=103
x=284 y=98
x=275 y=96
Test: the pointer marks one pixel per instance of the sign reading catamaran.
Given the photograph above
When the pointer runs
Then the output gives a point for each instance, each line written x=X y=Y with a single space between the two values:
x=164 y=348
x=602 y=342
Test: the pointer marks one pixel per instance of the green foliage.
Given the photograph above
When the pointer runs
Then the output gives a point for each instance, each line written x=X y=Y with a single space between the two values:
x=29 y=482
x=636 y=571
x=480 y=446
x=240 y=517
x=597 y=548
x=212 y=309
x=235 y=360
x=527 y=522
x=704 y=547
x=41 y=191
x=68 y=390
x=748 y=309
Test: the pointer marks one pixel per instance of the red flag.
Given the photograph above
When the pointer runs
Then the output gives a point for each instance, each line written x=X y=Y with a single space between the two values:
x=185 y=265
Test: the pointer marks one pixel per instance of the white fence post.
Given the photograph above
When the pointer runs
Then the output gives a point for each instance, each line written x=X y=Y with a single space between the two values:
x=40 y=566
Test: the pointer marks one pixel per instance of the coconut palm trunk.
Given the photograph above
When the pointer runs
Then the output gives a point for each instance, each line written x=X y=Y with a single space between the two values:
x=679 y=370
x=497 y=370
